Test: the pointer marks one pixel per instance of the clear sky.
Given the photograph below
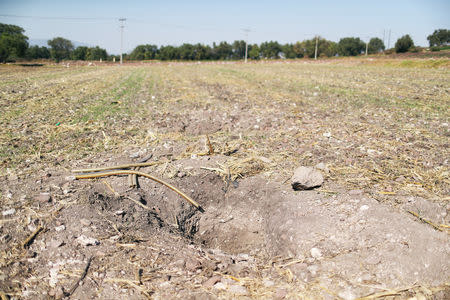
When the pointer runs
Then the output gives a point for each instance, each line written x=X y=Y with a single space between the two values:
x=173 y=22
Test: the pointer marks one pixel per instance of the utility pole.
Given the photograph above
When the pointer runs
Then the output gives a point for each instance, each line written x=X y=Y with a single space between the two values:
x=384 y=36
x=121 y=20
x=367 y=46
x=315 y=51
x=389 y=39
x=246 y=30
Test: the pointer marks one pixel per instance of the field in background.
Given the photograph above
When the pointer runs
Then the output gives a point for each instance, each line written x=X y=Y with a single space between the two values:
x=379 y=125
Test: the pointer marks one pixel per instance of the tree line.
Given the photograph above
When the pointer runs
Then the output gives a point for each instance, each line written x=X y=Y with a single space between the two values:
x=14 y=46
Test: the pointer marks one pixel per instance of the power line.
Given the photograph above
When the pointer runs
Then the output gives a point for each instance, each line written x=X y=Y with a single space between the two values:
x=56 y=18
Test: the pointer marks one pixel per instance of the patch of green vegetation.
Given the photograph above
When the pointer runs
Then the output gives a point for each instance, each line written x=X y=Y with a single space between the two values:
x=115 y=103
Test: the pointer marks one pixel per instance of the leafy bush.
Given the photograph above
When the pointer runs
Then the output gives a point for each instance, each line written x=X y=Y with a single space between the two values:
x=439 y=37
x=350 y=46
x=376 y=45
x=13 y=44
x=403 y=44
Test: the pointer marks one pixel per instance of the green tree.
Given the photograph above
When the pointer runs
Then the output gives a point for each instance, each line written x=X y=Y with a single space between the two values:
x=253 y=51
x=439 y=37
x=376 y=45
x=288 y=51
x=403 y=44
x=331 y=49
x=350 y=46
x=238 y=49
x=168 y=53
x=36 y=52
x=308 y=48
x=223 y=51
x=13 y=43
x=142 y=52
x=201 y=52
x=80 y=53
x=270 y=49
x=96 y=53
x=61 y=48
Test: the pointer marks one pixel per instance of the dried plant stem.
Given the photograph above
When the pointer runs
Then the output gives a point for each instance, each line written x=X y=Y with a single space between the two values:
x=77 y=283
x=126 y=166
x=424 y=220
x=126 y=172
x=30 y=239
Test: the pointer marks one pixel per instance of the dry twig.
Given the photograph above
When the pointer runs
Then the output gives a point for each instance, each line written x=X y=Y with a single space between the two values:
x=31 y=238
x=126 y=172
x=126 y=166
x=77 y=283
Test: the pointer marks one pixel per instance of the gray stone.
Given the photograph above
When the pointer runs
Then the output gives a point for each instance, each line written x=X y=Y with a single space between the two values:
x=85 y=222
x=9 y=212
x=212 y=281
x=43 y=197
x=306 y=178
x=355 y=192
x=238 y=289
x=87 y=241
x=220 y=286
x=316 y=253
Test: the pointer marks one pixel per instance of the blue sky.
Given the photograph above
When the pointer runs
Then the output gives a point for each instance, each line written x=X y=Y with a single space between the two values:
x=174 y=22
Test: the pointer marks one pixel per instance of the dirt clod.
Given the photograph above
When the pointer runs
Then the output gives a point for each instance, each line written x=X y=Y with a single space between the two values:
x=306 y=178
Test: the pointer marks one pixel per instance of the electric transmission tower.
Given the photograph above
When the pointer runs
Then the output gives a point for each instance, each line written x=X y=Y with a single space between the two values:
x=246 y=30
x=121 y=20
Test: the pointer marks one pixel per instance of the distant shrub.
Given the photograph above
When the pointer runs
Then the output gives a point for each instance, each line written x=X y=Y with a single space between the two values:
x=435 y=48
x=403 y=44
x=439 y=37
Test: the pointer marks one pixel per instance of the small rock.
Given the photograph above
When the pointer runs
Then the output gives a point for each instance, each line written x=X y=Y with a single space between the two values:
x=364 y=207
x=9 y=195
x=9 y=212
x=85 y=222
x=306 y=178
x=43 y=197
x=212 y=281
x=119 y=212
x=280 y=294
x=347 y=295
x=316 y=253
x=355 y=192
x=60 y=228
x=327 y=134
x=70 y=178
x=192 y=265
x=313 y=269
x=220 y=286
x=87 y=241
x=238 y=290
x=54 y=244
x=323 y=167
x=135 y=155
x=268 y=283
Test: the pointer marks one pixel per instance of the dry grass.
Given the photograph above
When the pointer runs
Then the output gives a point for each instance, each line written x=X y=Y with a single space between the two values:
x=379 y=127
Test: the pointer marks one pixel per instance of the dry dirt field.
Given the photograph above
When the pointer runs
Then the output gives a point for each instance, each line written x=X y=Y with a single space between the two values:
x=228 y=135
